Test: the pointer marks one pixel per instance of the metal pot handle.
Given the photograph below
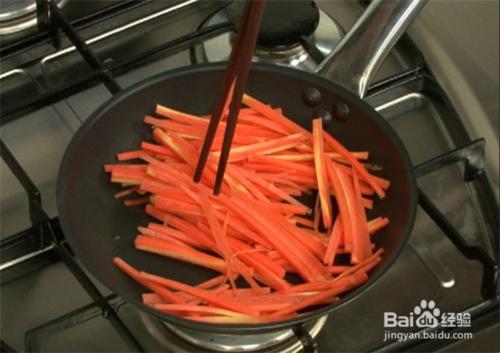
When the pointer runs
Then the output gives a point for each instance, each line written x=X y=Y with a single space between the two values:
x=357 y=57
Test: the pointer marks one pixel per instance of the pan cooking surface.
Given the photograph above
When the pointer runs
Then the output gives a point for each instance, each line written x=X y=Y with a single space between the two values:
x=99 y=227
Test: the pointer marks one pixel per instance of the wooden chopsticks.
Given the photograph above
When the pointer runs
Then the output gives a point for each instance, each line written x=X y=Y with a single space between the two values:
x=232 y=90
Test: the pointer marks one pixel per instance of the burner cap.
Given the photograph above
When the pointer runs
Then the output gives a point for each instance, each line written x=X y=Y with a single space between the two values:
x=18 y=15
x=284 y=22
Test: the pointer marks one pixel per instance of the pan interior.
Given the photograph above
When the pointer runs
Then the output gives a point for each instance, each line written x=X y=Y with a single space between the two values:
x=99 y=227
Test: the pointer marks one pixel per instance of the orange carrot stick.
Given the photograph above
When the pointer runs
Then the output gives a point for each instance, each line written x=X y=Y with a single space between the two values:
x=354 y=280
x=266 y=147
x=179 y=116
x=190 y=308
x=321 y=174
x=108 y=168
x=171 y=249
x=164 y=293
x=151 y=299
x=345 y=210
x=364 y=245
x=199 y=293
x=126 y=192
x=137 y=201
x=212 y=282
x=167 y=233
x=333 y=242
x=376 y=224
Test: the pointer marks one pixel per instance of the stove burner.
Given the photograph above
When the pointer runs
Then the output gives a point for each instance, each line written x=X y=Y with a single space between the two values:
x=186 y=340
x=284 y=22
x=302 y=47
x=18 y=15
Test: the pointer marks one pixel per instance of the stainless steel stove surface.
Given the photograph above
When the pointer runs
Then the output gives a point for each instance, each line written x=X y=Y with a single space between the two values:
x=43 y=306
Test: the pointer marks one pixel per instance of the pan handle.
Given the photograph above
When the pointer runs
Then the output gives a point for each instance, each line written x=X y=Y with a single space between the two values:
x=357 y=57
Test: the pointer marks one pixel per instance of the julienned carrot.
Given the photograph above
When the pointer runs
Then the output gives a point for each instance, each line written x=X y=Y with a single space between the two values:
x=212 y=282
x=190 y=308
x=345 y=211
x=337 y=146
x=178 y=116
x=267 y=298
x=215 y=291
x=137 y=201
x=329 y=140
x=217 y=232
x=262 y=122
x=307 y=240
x=168 y=204
x=280 y=165
x=318 y=286
x=243 y=133
x=384 y=183
x=156 y=213
x=239 y=293
x=281 y=180
x=305 y=263
x=240 y=230
x=158 y=187
x=125 y=156
x=230 y=319
x=377 y=224
x=151 y=299
x=358 y=230
x=188 y=228
x=199 y=293
x=263 y=274
x=129 y=175
x=266 y=271
x=366 y=265
x=190 y=155
x=247 y=184
x=253 y=228
x=307 y=174
x=272 y=189
x=367 y=203
x=303 y=222
x=177 y=144
x=126 y=192
x=240 y=248
x=162 y=292
x=333 y=242
x=266 y=308
x=267 y=147
x=108 y=168
x=338 y=269
x=305 y=157
x=165 y=232
x=271 y=114
x=364 y=249
x=317 y=213
x=171 y=249
x=355 y=280
x=158 y=149
x=283 y=207
x=321 y=174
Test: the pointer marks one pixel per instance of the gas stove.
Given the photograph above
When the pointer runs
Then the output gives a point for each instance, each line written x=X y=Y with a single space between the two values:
x=49 y=89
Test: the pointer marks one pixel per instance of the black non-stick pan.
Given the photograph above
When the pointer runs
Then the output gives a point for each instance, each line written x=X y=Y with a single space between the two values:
x=99 y=228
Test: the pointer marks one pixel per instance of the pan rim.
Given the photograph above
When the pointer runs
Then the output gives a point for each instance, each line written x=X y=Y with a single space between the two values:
x=240 y=328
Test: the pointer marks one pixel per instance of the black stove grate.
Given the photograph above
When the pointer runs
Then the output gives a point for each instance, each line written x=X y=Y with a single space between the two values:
x=45 y=242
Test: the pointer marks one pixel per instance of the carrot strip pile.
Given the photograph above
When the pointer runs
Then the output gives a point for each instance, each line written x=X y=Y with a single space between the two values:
x=274 y=257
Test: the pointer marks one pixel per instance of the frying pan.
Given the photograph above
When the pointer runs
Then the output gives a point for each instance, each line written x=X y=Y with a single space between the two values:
x=99 y=228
